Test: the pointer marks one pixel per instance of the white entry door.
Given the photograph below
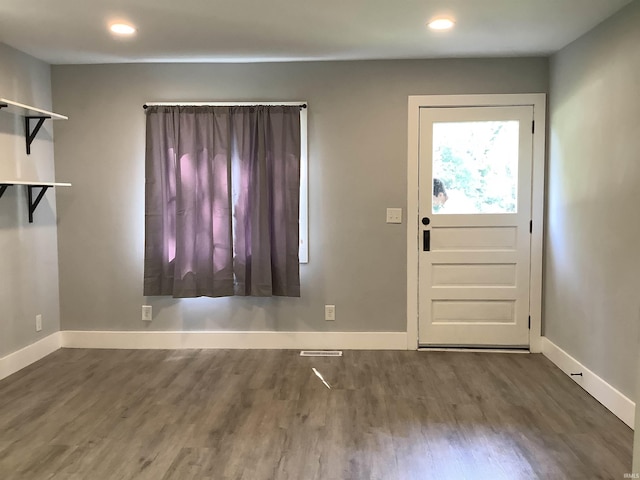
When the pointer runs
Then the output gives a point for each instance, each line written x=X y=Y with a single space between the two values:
x=474 y=210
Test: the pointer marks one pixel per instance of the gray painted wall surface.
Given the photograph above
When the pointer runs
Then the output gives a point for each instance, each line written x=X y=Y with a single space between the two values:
x=592 y=269
x=358 y=158
x=28 y=252
x=636 y=433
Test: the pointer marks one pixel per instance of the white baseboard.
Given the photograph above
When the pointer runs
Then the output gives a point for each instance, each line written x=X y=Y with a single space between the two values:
x=621 y=406
x=30 y=354
x=236 y=340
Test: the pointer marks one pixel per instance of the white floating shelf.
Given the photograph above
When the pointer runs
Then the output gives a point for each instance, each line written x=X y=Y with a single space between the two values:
x=28 y=110
x=34 y=184
x=32 y=203
x=30 y=114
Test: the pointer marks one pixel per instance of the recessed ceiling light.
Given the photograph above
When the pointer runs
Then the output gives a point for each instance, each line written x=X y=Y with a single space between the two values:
x=441 y=24
x=122 y=29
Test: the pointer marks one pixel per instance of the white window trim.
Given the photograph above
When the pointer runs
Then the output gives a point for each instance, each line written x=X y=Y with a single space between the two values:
x=303 y=252
x=538 y=101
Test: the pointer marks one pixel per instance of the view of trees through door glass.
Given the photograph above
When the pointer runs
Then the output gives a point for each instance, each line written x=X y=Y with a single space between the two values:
x=475 y=167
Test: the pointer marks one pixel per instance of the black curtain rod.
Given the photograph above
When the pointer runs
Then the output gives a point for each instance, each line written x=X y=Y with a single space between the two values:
x=302 y=105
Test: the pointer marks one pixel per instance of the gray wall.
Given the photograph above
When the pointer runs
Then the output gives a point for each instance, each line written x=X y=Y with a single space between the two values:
x=592 y=269
x=28 y=252
x=636 y=433
x=358 y=158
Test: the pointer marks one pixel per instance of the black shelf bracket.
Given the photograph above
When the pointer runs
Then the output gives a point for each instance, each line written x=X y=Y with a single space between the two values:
x=30 y=135
x=34 y=203
x=33 y=198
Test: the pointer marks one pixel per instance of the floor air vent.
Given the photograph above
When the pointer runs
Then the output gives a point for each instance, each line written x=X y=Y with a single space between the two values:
x=321 y=353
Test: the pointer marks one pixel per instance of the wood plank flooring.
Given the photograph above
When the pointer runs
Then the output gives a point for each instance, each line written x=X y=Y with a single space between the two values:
x=225 y=414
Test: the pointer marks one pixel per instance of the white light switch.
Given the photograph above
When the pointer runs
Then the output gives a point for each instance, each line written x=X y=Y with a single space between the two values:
x=394 y=215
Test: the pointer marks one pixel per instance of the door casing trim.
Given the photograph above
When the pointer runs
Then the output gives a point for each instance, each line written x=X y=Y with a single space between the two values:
x=538 y=102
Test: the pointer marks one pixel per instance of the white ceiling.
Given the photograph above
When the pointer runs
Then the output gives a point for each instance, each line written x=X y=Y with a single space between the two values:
x=75 y=31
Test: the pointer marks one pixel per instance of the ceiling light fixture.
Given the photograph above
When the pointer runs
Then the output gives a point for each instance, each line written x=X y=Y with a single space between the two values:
x=122 y=29
x=441 y=24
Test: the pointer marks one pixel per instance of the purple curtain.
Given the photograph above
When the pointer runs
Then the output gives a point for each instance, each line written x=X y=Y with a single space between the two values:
x=222 y=201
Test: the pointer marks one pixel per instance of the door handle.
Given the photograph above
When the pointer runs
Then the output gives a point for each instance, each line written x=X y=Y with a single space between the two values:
x=426 y=241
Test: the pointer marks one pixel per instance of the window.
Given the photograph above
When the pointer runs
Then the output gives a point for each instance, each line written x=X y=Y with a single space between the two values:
x=477 y=165
x=224 y=207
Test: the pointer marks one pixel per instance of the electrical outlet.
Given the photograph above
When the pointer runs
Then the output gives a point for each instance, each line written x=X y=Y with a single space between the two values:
x=147 y=313
x=329 y=312
x=38 y=323
x=394 y=215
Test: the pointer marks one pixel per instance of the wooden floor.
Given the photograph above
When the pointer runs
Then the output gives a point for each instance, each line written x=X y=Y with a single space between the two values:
x=207 y=414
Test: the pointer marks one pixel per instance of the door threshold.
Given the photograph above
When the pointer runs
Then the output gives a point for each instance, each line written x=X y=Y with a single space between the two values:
x=475 y=349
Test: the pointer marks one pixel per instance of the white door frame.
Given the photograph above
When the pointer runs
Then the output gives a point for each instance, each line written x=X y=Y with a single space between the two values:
x=538 y=101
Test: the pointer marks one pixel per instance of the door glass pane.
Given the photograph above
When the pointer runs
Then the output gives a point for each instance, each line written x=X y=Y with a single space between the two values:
x=475 y=167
